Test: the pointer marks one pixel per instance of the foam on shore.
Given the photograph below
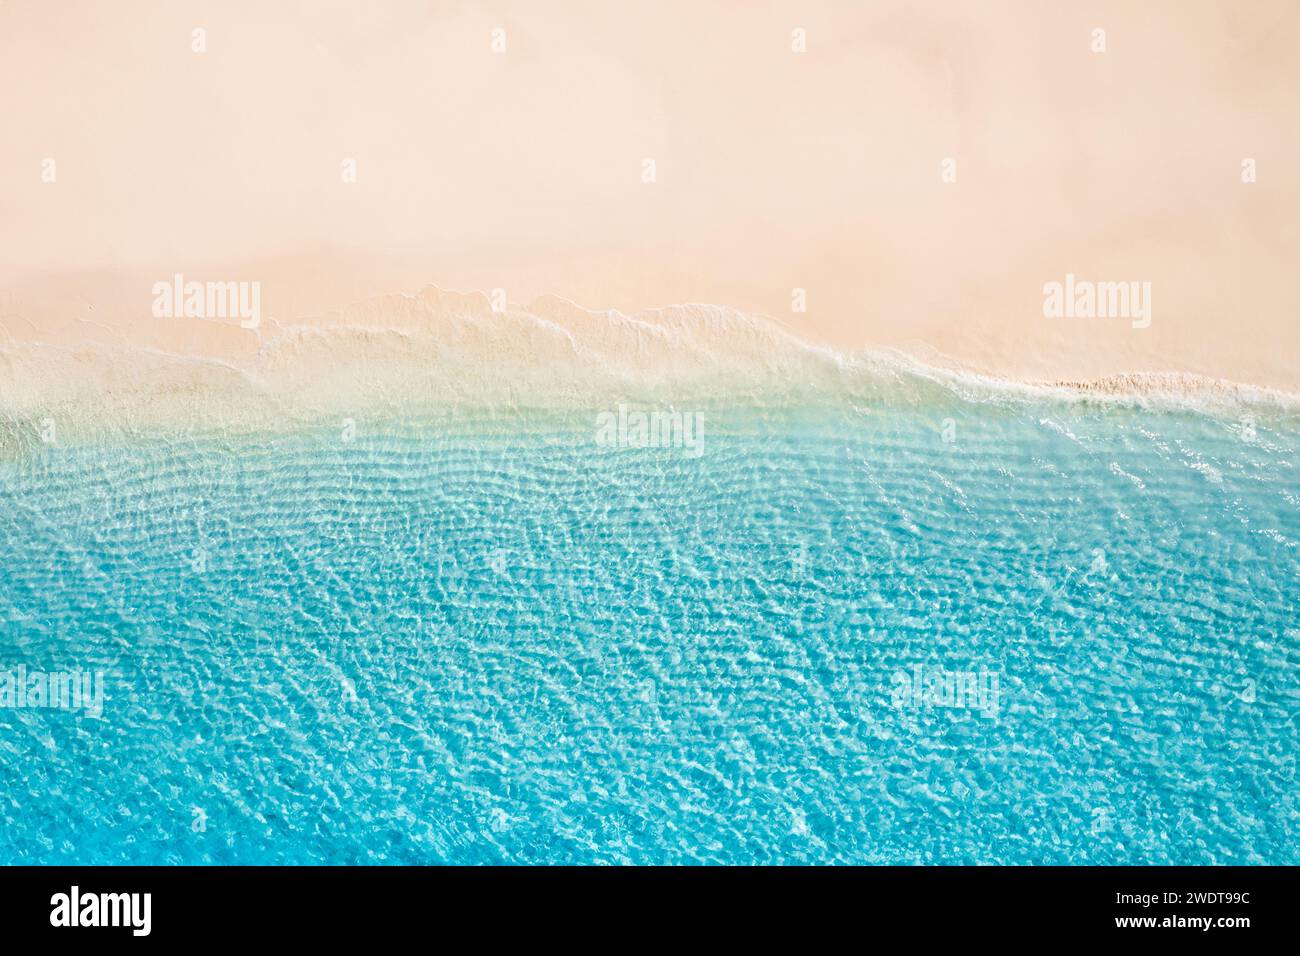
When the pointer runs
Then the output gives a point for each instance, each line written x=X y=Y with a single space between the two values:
x=448 y=352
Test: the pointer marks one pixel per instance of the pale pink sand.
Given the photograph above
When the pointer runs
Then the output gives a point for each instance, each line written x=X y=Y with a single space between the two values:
x=775 y=170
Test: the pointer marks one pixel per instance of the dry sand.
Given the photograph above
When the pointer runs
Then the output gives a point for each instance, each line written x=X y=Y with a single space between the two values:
x=774 y=171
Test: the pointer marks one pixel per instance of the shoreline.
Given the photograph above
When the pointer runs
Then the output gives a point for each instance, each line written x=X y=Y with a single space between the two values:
x=330 y=288
x=450 y=352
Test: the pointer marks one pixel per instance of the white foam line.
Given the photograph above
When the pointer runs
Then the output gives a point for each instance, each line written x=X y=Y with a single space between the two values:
x=700 y=329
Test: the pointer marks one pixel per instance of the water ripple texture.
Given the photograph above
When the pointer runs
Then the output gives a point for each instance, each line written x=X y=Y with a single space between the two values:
x=944 y=632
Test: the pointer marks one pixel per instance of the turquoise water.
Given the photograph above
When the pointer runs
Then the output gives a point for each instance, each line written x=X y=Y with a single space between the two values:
x=501 y=642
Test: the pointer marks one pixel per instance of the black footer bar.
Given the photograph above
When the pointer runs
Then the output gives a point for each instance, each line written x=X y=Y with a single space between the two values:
x=1219 y=907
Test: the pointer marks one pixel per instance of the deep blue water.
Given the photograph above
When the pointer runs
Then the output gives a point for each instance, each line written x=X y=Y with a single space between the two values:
x=501 y=642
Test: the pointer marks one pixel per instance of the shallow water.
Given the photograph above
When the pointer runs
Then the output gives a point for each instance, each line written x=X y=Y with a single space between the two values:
x=502 y=642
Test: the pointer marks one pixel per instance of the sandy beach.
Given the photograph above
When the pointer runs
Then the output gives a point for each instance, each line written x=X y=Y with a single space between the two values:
x=897 y=177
